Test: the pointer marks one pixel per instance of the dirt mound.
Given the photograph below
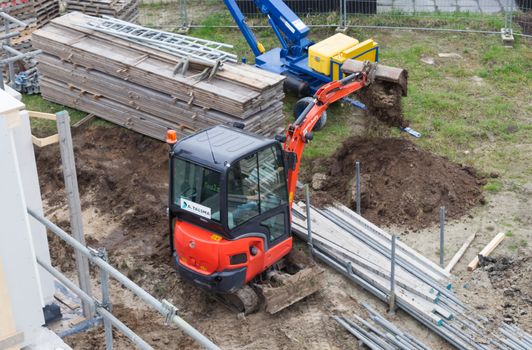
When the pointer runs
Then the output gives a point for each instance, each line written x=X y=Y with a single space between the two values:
x=383 y=101
x=512 y=275
x=122 y=174
x=401 y=184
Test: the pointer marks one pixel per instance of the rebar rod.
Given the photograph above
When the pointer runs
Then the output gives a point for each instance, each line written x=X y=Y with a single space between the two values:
x=362 y=337
x=442 y=237
x=392 y=279
x=309 y=226
x=385 y=251
x=374 y=337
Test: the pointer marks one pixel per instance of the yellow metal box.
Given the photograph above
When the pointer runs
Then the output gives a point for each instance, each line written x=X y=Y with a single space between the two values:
x=327 y=56
x=320 y=54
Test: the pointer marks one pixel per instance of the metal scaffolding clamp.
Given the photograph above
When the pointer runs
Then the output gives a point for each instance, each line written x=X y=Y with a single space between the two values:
x=171 y=310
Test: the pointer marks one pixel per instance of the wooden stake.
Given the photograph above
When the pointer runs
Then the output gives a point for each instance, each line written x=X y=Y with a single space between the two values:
x=456 y=258
x=486 y=251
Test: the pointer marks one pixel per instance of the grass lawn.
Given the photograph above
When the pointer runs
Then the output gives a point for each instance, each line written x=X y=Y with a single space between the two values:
x=475 y=109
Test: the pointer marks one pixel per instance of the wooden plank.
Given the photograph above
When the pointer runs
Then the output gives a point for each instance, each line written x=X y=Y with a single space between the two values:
x=66 y=300
x=85 y=119
x=486 y=251
x=12 y=341
x=456 y=258
x=45 y=141
x=75 y=321
x=420 y=259
x=41 y=115
x=385 y=240
x=7 y=321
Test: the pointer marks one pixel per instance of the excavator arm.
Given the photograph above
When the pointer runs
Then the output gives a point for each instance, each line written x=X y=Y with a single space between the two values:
x=300 y=133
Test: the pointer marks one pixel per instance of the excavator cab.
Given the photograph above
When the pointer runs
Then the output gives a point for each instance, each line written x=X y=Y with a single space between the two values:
x=228 y=208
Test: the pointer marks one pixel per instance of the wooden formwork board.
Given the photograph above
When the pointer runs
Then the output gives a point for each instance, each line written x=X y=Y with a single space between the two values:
x=117 y=113
x=44 y=141
x=142 y=69
x=153 y=102
x=248 y=76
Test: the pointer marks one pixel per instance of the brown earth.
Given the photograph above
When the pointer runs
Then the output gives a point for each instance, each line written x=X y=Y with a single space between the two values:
x=512 y=276
x=383 y=101
x=401 y=183
x=123 y=186
x=123 y=175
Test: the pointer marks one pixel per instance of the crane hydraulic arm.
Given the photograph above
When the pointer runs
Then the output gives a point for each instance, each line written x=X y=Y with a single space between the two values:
x=300 y=133
x=288 y=27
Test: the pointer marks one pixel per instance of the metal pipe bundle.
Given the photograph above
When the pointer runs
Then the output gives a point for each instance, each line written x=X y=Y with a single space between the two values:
x=381 y=334
x=361 y=251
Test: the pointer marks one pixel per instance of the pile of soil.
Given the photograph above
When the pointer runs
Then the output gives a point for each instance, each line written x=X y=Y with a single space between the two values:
x=123 y=175
x=512 y=275
x=401 y=183
x=384 y=102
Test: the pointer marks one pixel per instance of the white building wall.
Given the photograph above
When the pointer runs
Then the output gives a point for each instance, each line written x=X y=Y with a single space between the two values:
x=20 y=240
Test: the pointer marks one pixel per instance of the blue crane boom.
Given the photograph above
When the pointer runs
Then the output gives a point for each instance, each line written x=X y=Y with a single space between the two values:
x=307 y=65
x=288 y=27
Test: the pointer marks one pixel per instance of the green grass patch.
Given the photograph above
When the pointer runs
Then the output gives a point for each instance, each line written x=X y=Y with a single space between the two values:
x=493 y=186
x=42 y=127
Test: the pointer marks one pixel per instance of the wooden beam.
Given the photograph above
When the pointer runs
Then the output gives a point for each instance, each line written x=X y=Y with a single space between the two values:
x=41 y=115
x=12 y=342
x=45 y=141
x=486 y=251
x=65 y=300
x=7 y=321
x=85 y=119
x=460 y=253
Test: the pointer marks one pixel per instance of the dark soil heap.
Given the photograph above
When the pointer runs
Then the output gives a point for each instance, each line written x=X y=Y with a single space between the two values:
x=512 y=276
x=401 y=184
x=383 y=101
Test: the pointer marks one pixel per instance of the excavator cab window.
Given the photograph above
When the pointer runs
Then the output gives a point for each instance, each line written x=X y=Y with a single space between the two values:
x=256 y=184
x=196 y=189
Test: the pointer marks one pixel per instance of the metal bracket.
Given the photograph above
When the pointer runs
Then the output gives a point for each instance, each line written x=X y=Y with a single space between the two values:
x=411 y=132
x=171 y=310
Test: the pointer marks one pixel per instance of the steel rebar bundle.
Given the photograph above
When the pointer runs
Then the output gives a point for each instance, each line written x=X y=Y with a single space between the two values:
x=361 y=251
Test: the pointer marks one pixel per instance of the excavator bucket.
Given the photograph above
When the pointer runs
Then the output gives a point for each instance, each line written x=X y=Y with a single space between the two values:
x=378 y=73
x=284 y=289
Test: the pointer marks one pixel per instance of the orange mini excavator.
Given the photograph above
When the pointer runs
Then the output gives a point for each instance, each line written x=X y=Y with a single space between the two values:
x=231 y=194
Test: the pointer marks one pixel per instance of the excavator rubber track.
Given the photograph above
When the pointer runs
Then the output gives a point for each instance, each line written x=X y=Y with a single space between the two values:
x=286 y=283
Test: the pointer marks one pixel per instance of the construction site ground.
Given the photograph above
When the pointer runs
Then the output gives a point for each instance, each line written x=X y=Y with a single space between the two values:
x=475 y=114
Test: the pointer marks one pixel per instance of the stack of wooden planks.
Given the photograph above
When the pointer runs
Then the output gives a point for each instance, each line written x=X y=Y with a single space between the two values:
x=127 y=10
x=137 y=87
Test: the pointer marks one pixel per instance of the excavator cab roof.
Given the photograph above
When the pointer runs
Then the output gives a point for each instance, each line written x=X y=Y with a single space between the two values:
x=220 y=146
